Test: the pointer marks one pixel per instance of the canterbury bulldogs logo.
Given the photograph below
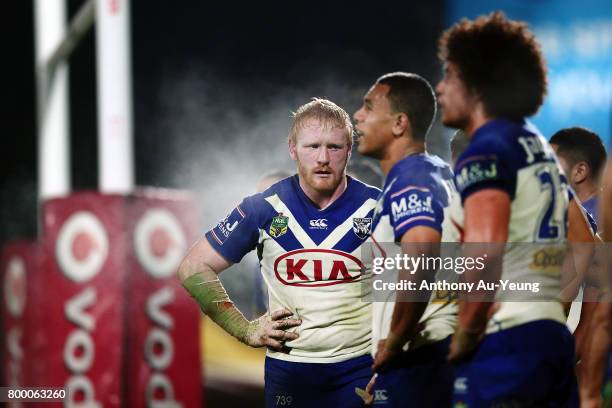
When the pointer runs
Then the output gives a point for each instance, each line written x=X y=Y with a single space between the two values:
x=461 y=385
x=380 y=396
x=321 y=223
x=362 y=227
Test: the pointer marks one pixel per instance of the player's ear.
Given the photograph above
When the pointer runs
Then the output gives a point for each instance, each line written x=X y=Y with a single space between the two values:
x=292 y=149
x=580 y=172
x=401 y=124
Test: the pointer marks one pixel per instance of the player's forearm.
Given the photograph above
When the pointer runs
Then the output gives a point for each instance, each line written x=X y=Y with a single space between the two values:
x=594 y=362
x=474 y=316
x=573 y=272
x=474 y=309
x=404 y=323
x=207 y=290
x=188 y=268
x=424 y=242
x=605 y=204
x=582 y=330
x=408 y=311
x=580 y=254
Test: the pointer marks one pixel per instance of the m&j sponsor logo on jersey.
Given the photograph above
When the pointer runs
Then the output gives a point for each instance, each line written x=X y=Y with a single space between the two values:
x=476 y=169
x=317 y=267
x=411 y=201
x=362 y=227
x=226 y=226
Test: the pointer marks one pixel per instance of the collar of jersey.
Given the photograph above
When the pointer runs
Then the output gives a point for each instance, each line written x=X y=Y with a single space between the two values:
x=308 y=202
x=492 y=124
x=406 y=159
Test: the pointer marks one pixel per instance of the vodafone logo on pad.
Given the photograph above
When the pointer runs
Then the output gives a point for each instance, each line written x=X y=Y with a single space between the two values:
x=82 y=246
x=159 y=242
x=15 y=286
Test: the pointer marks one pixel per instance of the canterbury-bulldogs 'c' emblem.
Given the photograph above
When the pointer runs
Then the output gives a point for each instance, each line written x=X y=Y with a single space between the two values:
x=279 y=225
x=362 y=226
x=321 y=223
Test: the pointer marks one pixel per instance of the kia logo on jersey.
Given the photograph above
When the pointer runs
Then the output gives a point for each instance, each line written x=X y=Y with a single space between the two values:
x=317 y=267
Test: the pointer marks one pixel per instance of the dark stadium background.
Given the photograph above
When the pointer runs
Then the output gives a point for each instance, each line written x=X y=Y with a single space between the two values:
x=204 y=75
x=213 y=87
x=214 y=84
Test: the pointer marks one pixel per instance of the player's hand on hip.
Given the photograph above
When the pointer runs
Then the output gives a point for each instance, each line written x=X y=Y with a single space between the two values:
x=271 y=330
x=463 y=343
x=367 y=395
x=384 y=357
x=594 y=402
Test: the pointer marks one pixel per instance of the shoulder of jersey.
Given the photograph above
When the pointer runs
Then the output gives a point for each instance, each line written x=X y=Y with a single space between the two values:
x=500 y=137
x=438 y=163
x=493 y=136
x=417 y=169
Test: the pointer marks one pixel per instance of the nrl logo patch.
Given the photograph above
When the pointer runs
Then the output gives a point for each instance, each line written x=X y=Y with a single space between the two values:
x=279 y=225
x=362 y=227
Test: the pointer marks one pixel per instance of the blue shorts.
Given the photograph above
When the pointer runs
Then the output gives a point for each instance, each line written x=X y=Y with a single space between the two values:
x=419 y=378
x=531 y=365
x=318 y=385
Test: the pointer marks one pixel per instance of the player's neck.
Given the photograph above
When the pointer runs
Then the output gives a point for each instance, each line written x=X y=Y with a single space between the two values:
x=477 y=119
x=403 y=146
x=586 y=190
x=322 y=200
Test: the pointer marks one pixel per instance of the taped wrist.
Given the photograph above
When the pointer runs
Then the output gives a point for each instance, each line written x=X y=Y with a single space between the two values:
x=208 y=291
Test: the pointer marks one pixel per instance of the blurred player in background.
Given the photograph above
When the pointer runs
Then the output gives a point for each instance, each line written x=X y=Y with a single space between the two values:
x=595 y=377
x=308 y=230
x=582 y=156
x=270 y=178
x=410 y=338
x=510 y=187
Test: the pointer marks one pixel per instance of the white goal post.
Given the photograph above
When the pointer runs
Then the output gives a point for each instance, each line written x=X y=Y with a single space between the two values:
x=54 y=43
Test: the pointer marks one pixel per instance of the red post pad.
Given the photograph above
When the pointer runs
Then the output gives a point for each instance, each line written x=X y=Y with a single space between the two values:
x=19 y=266
x=164 y=364
x=85 y=252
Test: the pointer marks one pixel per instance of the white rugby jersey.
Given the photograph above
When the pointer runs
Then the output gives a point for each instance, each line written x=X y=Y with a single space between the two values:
x=416 y=192
x=512 y=157
x=311 y=263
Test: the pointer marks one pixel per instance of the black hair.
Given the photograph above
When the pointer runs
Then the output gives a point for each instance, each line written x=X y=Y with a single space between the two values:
x=578 y=144
x=413 y=95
